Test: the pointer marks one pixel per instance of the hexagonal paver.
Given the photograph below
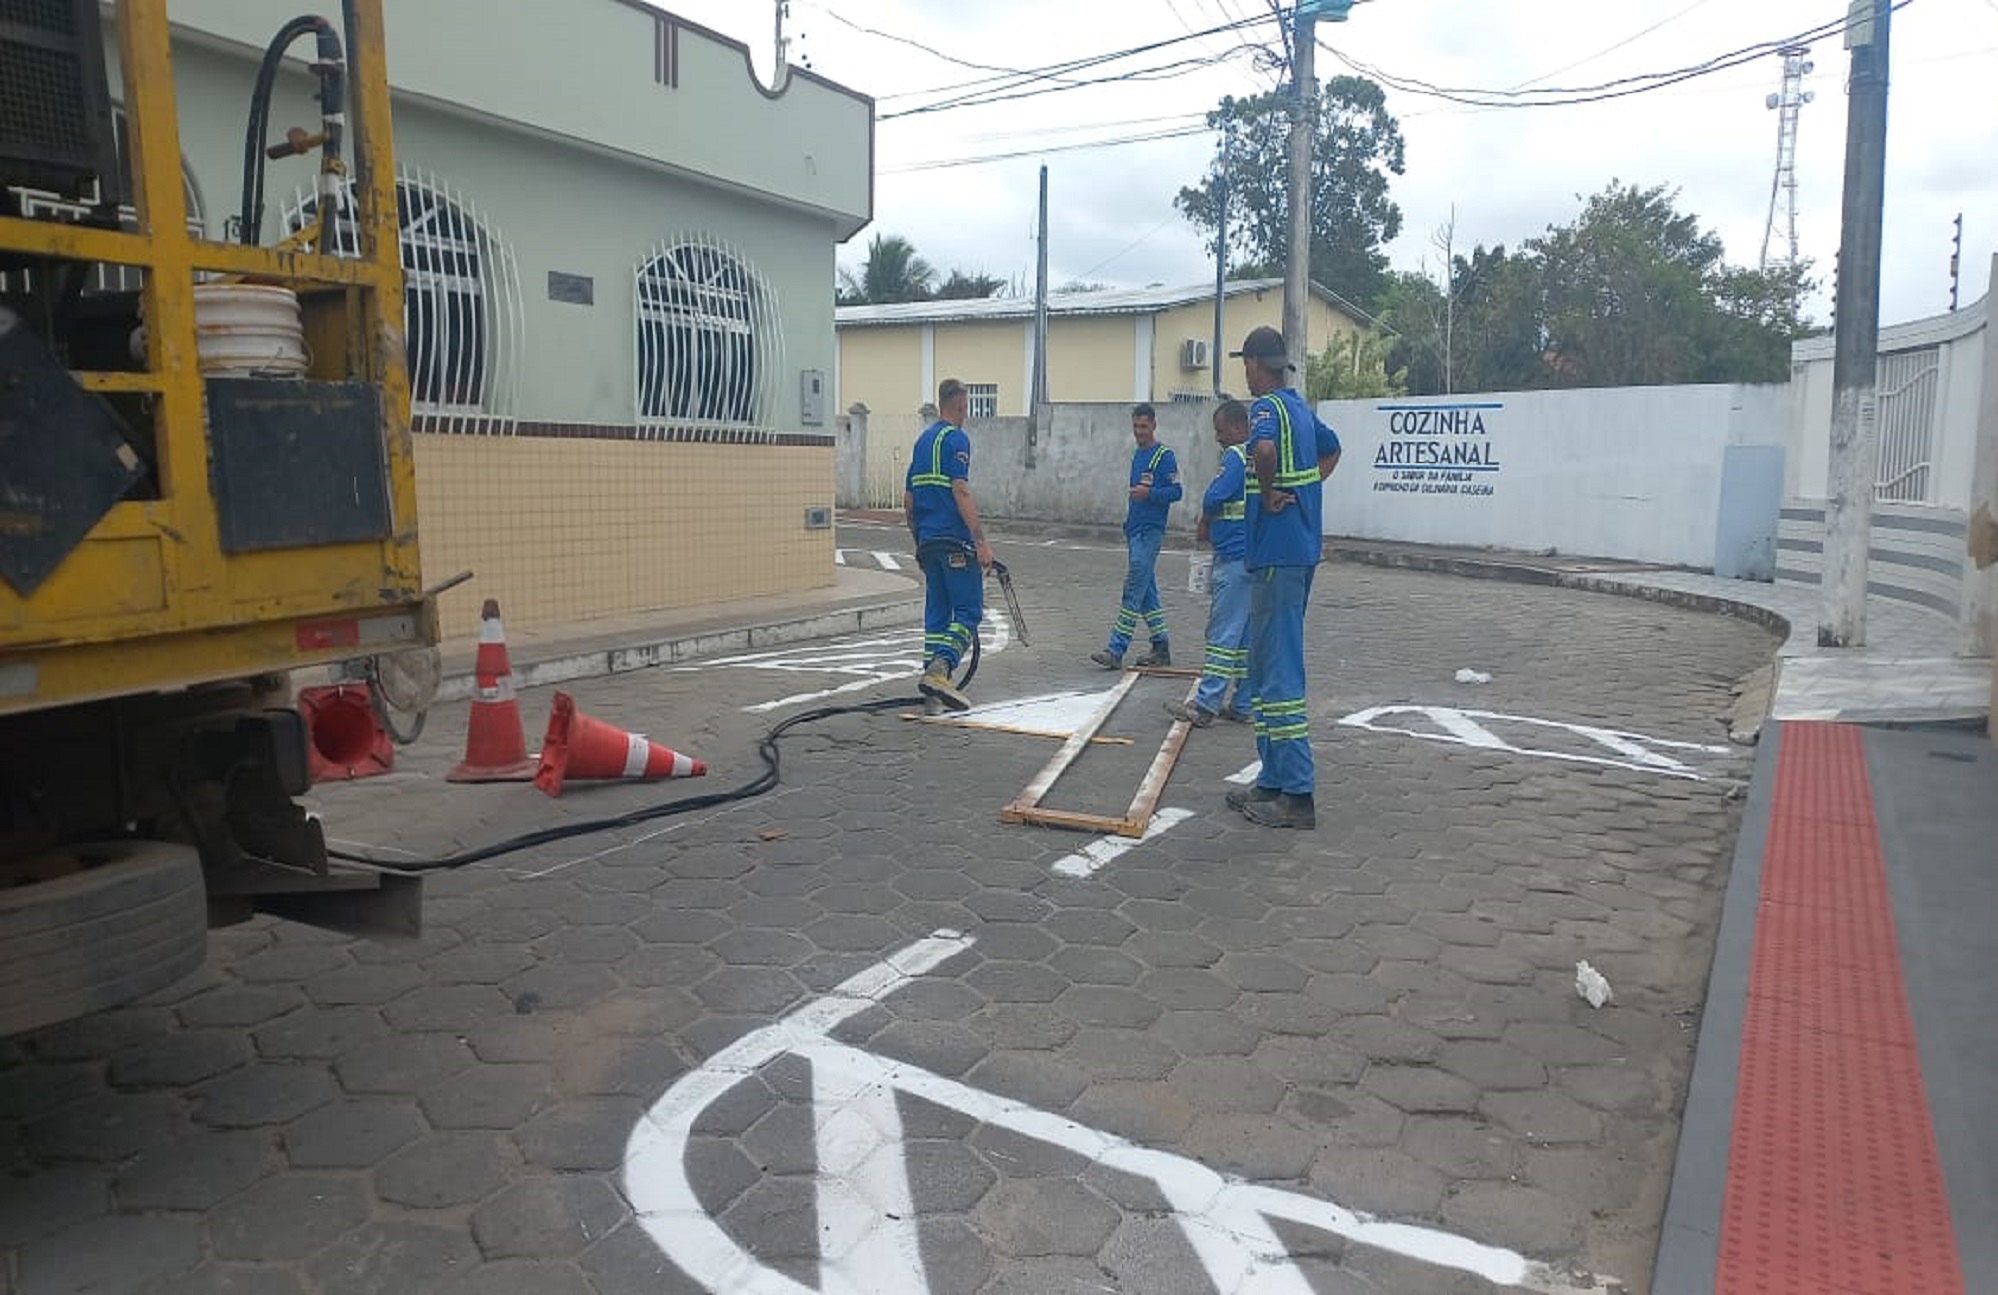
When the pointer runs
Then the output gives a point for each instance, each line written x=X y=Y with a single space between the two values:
x=352 y=1134
x=62 y=1195
x=108 y=1127
x=239 y=1005
x=1262 y=973
x=762 y=947
x=1422 y=1090
x=1379 y=1180
x=1225 y=1084
x=1492 y=1066
x=944 y=1177
x=1044 y=1217
x=445 y=1169
x=1545 y=1116
x=287 y=1217
x=1016 y=982
x=220 y=1278
x=777 y=1220
x=325 y=1033
x=404 y=1064
x=547 y=1217
x=502 y=1096
x=1189 y=989
x=1108 y=1005
x=1146 y=1112
x=518 y=1277
x=580 y=1134
x=379 y=1257
x=754 y=990
x=552 y=987
x=1035 y=1078
x=196 y=1173
x=179 y=1059
x=935 y=1046
x=116 y=1252
x=264 y=1093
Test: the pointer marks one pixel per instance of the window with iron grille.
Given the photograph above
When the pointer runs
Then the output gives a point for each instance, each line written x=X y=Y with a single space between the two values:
x=461 y=300
x=983 y=400
x=708 y=339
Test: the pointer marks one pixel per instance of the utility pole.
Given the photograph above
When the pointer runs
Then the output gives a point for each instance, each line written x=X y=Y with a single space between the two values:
x=1303 y=119
x=1955 y=261
x=1040 y=393
x=1220 y=246
x=1303 y=134
x=1856 y=334
x=777 y=69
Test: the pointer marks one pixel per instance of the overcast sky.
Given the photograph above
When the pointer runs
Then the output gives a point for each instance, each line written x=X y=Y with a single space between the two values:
x=1509 y=172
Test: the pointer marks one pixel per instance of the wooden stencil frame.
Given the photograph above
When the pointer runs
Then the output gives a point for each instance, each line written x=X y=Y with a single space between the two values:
x=1026 y=807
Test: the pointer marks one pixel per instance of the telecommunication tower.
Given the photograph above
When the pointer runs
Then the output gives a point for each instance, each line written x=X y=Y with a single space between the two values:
x=1788 y=103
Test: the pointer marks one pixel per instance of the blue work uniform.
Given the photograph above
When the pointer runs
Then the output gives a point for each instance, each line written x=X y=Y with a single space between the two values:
x=953 y=584
x=1224 y=505
x=1144 y=535
x=1283 y=552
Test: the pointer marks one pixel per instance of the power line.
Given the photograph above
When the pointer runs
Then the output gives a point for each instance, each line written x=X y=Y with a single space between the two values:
x=939 y=164
x=1621 y=87
x=1134 y=245
x=1611 y=49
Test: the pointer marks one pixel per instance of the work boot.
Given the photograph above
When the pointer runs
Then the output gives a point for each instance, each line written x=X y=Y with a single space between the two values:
x=1239 y=716
x=936 y=684
x=1193 y=715
x=1107 y=659
x=1285 y=810
x=932 y=707
x=1243 y=797
x=1160 y=655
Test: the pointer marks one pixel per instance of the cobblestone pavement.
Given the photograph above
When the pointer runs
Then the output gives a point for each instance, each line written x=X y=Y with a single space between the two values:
x=1379 y=1015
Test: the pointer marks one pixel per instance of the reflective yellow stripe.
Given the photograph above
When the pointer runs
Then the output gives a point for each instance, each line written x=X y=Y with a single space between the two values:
x=936 y=476
x=1289 y=476
x=1236 y=510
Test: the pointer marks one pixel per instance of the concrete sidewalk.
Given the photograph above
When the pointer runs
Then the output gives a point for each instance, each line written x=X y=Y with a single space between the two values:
x=857 y=600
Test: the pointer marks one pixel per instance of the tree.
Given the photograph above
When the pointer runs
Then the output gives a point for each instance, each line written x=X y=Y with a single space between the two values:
x=1074 y=286
x=1358 y=145
x=959 y=286
x=892 y=272
x=1635 y=292
x=1353 y=366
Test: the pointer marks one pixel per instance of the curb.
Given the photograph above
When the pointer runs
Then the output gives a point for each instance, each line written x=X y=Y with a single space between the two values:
x=1585 y=582
x=596 y=663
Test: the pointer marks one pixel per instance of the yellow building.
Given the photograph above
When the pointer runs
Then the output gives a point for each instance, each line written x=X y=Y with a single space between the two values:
x=1151 y=344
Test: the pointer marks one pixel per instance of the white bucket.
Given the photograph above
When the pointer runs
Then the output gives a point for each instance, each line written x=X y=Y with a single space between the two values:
x=248 y=328
x=1199 y=569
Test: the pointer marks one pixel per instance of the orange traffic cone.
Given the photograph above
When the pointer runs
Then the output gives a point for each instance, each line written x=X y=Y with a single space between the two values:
x=495 y=742
x=580 y=747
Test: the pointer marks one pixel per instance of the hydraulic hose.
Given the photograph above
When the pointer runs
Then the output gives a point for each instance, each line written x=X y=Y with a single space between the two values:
x=332 y=94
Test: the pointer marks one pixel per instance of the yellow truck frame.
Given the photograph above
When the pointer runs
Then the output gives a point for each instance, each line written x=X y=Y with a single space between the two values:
x=145 y=725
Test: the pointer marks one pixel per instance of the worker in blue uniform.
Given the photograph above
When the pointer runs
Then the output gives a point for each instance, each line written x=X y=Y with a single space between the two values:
x=1291 y=453
x=1223 y=523
x=1154 y=489
x=950 y=545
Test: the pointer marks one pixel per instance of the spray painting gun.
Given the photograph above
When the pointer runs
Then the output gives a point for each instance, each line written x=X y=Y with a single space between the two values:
x=1012 y=600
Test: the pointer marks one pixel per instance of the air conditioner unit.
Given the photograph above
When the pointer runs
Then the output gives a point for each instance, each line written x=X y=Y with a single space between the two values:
x=1193 y=354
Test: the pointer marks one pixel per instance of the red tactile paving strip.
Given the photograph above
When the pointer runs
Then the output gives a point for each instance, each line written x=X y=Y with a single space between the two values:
x=1833 y=1181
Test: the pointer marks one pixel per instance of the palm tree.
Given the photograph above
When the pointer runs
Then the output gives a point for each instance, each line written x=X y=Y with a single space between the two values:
x=892 y=272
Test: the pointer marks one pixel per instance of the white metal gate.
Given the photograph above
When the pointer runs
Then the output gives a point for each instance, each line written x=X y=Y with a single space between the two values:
x=1906 y=392
x=463 y=319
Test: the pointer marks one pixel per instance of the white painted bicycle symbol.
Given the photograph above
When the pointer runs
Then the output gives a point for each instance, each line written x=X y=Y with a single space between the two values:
x=866 y=1211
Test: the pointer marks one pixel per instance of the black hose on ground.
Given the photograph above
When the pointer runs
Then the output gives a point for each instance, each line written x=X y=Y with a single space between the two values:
x=767 y=781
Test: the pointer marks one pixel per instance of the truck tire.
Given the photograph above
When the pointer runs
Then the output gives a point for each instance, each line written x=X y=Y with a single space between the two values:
x=135 y=919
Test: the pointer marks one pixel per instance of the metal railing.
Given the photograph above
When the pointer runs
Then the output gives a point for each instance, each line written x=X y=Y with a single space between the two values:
x=463 y=319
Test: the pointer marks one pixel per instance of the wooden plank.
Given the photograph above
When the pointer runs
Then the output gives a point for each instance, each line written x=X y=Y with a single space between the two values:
x=1010 y=728
x=1166 y=671
x=1077 y=742
x=1103 y=823
x=1152 y=788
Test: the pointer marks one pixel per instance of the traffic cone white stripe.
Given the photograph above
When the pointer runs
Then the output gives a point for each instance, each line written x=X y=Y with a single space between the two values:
x=636 y=752
x=491 y=631
x=683 y=766
x=499 y=690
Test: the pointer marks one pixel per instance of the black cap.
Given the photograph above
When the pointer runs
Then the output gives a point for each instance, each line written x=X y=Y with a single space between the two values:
x=1264 y=344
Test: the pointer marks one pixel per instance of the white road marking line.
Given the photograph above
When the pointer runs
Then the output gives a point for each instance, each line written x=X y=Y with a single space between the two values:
x=1247 y=774
x=887 y=561
x=863 y=1182
x=1104 y=851
x=839 y=557
x=1640 y=753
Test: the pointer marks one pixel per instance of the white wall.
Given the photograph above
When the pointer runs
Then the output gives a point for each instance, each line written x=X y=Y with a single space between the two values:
x=1620 y=472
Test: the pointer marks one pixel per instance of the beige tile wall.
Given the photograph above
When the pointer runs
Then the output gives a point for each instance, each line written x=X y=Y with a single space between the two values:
x=562 y=530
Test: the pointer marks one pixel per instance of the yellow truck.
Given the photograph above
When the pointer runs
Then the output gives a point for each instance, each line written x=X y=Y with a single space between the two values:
x=205 y=485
